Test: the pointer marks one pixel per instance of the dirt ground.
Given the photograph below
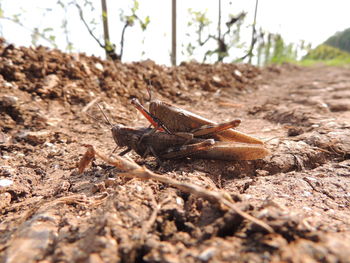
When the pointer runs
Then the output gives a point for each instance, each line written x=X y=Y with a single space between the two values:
x=50 y=213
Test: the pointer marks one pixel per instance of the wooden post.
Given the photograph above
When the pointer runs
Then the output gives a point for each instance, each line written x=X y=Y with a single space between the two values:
x=253 y=34
x=173 y=40
x=219 y=30
x=105 y=26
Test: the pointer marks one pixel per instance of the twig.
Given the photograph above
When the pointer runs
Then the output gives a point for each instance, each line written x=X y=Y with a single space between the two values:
x=110 y=49
x=31 y=30
x=134 y=170
x=87 y=26
x=254 y=39
x=122 y=40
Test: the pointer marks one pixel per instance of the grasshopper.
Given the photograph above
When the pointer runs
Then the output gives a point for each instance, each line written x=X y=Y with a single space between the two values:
x=146 y=141
x=167 y=117
x=164 y=145
x=173 y=120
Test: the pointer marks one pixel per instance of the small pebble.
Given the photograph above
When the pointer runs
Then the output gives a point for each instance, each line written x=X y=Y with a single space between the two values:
x=5 y=182
x=207 y=254
x=237 y=73
x=8 y=100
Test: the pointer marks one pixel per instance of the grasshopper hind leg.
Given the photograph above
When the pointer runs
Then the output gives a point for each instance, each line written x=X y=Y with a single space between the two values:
x=209 y=129
x=188 y=149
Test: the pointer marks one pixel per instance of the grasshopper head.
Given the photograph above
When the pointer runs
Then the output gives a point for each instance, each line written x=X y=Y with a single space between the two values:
x=117 y=134
x=126 y=136
x=121 y=135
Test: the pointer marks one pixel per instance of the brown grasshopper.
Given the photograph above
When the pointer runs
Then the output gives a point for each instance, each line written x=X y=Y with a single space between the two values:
x=231 y=143
x=167 y=117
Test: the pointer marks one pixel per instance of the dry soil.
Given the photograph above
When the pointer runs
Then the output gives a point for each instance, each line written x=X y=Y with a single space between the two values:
x=50 y=213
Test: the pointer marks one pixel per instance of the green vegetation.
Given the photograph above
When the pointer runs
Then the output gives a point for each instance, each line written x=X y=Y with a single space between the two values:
x=325 y=52
x=278 y=52
x=335 y=51
x=340 y=40
x=273 y=49
x=327 y=55
x=281 y=52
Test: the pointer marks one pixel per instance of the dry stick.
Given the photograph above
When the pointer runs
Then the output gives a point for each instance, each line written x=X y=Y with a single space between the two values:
x=134 y=170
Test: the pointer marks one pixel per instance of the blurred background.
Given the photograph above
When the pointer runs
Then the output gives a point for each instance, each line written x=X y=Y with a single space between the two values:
x=170 y=31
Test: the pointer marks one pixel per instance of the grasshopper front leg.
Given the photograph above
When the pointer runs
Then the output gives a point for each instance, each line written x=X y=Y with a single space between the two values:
x=155 y=122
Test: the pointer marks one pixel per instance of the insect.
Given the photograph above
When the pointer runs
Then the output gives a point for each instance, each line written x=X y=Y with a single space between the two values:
x=229 y=143
x=145 y=141
x=161 y=144
x=167 y=117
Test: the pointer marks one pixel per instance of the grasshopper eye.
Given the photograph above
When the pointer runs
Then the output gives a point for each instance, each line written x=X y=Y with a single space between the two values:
x=117 y=133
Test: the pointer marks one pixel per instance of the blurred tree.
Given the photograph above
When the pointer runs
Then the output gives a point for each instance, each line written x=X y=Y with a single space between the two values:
x=268 y=47
x=36 y=33
x=173 y=32
x=109 y=48
x=340 y=40
x=281 y=51
x=272 y=48
x=261 y=46
x=128 y=20
x=254 y=36
x=325 y=52
x=225 y=40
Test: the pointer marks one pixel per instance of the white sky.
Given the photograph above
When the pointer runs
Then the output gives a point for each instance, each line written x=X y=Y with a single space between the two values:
x=312 y=20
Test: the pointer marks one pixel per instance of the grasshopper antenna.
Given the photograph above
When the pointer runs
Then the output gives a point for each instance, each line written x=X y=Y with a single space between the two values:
x=104 y=115
x=149 y=90
x=111 y=125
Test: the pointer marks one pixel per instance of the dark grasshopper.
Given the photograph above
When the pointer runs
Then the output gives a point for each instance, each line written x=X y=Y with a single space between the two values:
x=229 y=144
x=146 y=141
